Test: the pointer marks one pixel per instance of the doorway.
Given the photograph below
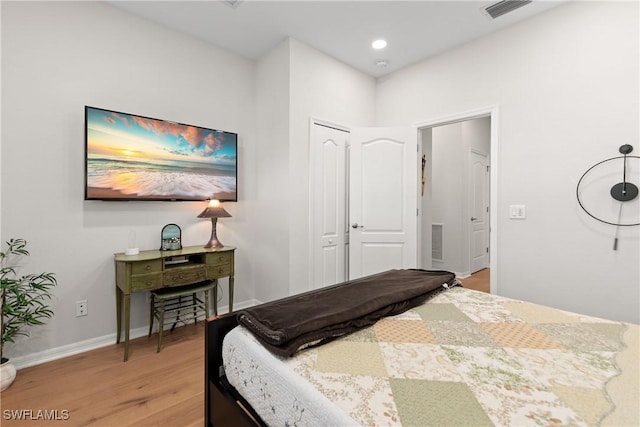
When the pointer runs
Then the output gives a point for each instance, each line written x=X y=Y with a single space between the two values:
x=325 y=256
x=457 y=227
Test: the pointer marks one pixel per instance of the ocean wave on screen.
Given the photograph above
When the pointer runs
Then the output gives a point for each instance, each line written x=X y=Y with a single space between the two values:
x=150 y=183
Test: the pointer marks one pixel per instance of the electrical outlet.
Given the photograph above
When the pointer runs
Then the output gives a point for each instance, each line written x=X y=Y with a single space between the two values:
x=81 y=308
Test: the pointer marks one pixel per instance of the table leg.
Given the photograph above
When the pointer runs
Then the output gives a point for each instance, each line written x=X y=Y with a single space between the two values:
x=118 y=313
x=127 y=322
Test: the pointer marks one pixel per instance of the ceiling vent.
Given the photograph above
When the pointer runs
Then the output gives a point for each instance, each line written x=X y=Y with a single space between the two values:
x=232 y=3
x=505 y=6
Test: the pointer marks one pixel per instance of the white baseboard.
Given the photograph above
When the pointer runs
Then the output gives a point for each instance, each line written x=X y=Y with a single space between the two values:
x=94 y=343
x=71 y=349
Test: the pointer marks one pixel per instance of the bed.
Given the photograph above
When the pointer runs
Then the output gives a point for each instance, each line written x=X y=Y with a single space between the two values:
x=454 y=356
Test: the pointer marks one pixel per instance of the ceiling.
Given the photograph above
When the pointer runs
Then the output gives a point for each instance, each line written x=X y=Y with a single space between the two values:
x=344 y=30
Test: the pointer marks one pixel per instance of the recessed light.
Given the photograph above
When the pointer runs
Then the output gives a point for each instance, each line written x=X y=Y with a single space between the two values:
x=379 y=44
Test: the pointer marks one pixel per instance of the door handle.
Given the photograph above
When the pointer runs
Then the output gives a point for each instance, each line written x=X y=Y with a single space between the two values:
x=355 y=225
x=473 y=218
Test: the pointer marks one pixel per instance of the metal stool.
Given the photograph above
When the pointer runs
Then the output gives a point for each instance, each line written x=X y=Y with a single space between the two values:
x=179 y=304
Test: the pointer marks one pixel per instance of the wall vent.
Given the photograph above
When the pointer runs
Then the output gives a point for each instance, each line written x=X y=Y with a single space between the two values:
x=505 y=6
x=437 y=239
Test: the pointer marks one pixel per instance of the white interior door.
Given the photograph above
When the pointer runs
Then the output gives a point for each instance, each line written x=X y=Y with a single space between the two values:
x=383 y=193
x=479 y=209
x=329 y=205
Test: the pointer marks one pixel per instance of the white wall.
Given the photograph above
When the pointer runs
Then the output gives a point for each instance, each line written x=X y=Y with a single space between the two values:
x=325 y=88
x=271 y=240
x=476 y=135
x=294 y=83
x=566 y=82
x=450 y=194
x=58 y=57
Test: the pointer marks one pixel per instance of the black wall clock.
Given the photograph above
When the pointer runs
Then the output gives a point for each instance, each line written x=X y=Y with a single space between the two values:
x=624 y=191
x=615 y=175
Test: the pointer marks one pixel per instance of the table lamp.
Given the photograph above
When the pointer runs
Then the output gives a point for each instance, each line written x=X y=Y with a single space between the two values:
x=214 y=211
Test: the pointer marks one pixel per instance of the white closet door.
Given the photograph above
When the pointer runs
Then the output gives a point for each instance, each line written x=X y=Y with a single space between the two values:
x=329 y=206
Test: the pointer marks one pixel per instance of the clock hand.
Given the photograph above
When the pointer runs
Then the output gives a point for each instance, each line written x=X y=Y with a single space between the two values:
x=625 y=149
x=615 y=240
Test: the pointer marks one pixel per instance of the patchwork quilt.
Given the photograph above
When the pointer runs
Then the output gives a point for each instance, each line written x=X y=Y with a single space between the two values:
x=464 y=358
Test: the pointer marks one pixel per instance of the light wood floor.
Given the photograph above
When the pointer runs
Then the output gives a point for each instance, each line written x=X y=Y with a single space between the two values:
x=478 y=281
x=98 y=389
x=151 y=389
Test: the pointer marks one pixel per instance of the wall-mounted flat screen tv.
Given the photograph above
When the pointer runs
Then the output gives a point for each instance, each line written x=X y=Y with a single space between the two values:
x=130 y=157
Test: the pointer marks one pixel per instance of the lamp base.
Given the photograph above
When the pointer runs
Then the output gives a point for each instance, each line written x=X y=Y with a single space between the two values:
x=213 y=241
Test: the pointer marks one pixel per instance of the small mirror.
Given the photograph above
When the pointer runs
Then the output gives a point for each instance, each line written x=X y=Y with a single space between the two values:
x=171 y=238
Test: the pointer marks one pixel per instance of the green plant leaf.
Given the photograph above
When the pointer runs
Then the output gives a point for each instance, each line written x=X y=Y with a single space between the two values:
x=24 y=299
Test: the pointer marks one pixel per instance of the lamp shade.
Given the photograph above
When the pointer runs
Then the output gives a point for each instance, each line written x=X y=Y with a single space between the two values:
x=214 y=210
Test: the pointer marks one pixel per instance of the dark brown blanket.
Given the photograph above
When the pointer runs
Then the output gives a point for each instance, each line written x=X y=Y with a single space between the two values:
x=290 y=324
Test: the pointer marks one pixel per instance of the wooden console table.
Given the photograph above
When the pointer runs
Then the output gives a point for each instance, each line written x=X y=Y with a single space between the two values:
x=157 y=269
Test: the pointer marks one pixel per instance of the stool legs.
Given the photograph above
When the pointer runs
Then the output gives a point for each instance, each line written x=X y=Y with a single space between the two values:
x=194 y=302
x=206 y=304
x=178 y=316
x=160 y=325
x=179 y=303
x=151 y=314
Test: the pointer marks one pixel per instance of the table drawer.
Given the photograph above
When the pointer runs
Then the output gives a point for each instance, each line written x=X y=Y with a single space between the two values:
x=184 y=276
x=146 y=281
x=219 y=258
x=217 y=271
x=145 y=267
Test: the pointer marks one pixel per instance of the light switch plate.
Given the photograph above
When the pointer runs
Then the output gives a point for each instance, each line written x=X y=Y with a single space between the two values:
x=517 y=212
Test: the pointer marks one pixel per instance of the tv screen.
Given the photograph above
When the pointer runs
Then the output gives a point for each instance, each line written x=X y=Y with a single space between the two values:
x=130 y=157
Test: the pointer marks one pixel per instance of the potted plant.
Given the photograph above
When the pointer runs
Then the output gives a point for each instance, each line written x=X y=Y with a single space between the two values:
x=25 y=302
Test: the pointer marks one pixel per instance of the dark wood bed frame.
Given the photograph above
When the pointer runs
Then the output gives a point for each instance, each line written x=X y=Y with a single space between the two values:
x=223 y=404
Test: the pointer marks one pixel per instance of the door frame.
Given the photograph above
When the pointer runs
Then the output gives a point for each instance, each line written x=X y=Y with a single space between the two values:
x=491 y=111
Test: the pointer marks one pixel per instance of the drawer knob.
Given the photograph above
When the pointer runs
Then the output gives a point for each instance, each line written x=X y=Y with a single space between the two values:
x=148 y=267
x=220 y=270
